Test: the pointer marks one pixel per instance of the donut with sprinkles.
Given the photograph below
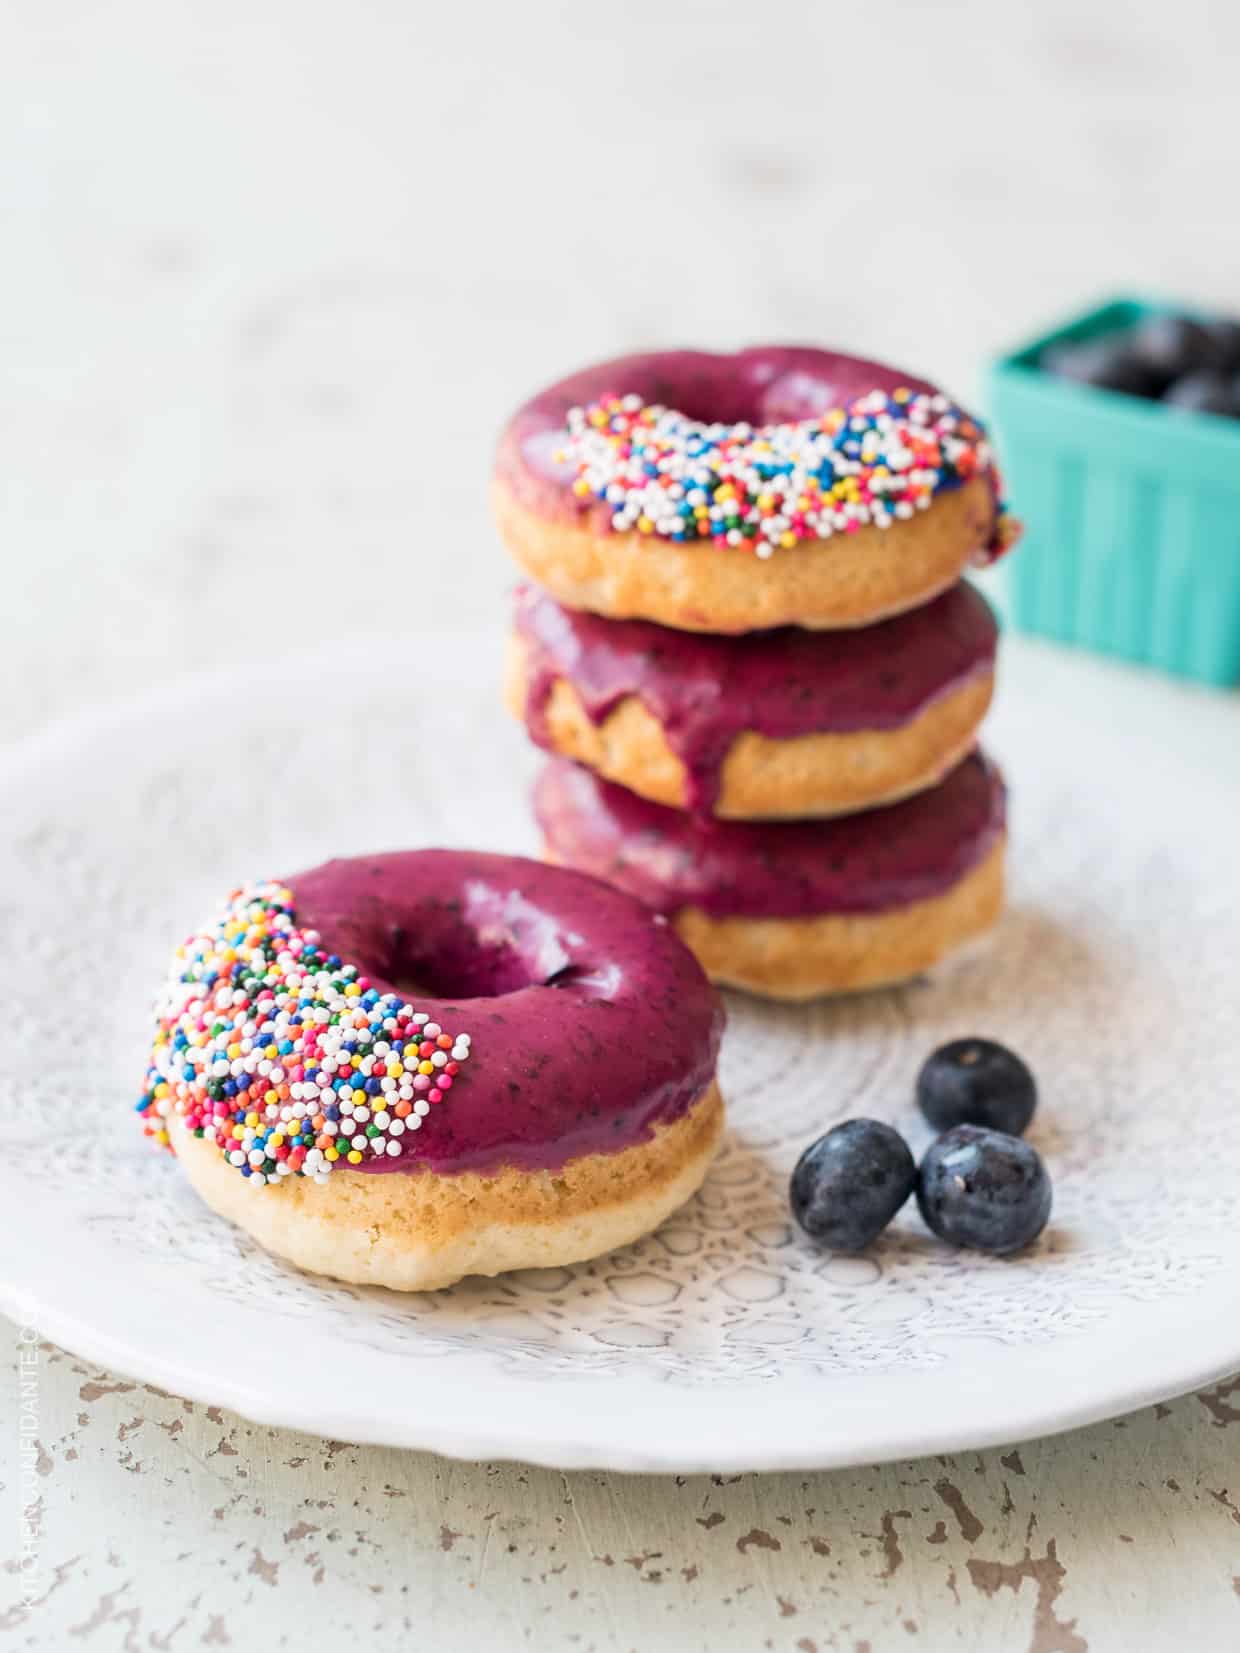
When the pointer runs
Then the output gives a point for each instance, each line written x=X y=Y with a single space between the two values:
x=781 y=485
x=401 y=1069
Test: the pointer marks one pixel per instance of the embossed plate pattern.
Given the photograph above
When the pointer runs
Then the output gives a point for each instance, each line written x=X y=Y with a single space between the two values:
x=724 y=1341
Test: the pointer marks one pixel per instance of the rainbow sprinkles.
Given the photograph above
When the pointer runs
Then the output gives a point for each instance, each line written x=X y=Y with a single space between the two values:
x=285 y=1056
x=877 y=460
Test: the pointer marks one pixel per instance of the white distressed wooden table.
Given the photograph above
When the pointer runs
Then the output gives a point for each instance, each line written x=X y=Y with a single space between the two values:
x=273 y=275
x=171 y=1526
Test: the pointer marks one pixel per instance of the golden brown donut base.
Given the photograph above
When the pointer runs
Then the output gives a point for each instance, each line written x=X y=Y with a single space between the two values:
x=420 y=1230
x=764 y=779
x=805 y=958
x=848 y=580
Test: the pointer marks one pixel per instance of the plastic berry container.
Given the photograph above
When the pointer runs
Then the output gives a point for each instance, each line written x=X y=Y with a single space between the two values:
x=1131 y=511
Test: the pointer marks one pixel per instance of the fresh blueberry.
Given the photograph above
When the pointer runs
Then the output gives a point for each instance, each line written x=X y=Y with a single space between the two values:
x=1224 y=345
x=983 y=1189
x=1107 y=363
x=977 y=1082
x=1171 y=346
x=850 y=1183
x=1201 y=393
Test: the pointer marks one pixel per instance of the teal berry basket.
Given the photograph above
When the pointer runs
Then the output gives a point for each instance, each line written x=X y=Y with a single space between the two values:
x=1131 y=512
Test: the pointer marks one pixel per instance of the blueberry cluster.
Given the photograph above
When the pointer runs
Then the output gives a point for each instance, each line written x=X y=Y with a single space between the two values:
x=1172 y=359
x=978 y=1184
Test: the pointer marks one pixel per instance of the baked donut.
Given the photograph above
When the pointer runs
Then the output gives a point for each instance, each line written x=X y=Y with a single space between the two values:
x=730 y=493
x=402 y=1069
x=795 y=909
x=776 y=724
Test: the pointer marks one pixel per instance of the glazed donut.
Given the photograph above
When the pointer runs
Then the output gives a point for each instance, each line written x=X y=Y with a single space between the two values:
x=778 y=486
x=402 y=1069
x=776 y=724
x=793 y=910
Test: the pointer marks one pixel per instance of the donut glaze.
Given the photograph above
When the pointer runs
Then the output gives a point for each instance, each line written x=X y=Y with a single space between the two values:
x=705 y=691
x=865 y=863
x=590 y=1025
x=765 y=385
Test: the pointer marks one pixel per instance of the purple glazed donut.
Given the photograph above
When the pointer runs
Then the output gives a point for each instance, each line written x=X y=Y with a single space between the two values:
x=767 y=385
x=617 y=487
x=774 y=725
x=525 y=1044
x=799 y=908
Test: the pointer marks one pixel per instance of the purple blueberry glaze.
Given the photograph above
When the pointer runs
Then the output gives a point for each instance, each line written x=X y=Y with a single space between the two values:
x=590 y=1023
x=767 y=384
x=863 y=863
x=706 y=690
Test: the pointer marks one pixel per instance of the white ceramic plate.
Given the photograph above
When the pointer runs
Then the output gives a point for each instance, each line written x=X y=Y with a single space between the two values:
x=725 y=1341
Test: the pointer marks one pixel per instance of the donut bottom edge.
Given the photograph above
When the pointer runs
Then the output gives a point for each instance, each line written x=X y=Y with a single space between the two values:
x=424 y=1230
x=835 y=953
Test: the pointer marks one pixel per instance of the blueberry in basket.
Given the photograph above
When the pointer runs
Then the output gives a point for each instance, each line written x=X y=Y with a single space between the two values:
x=1225 y=344
x=1107 y=363
x=849 y=1184
x=1168 y=346
x=1203 y=392
x=977 y=1082
x=1185 y=363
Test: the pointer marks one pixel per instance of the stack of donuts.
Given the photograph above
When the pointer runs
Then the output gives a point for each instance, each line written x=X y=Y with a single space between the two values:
x=753 y=657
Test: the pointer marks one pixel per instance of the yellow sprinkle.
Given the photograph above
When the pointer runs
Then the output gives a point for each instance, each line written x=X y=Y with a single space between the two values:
x=352 y=991
x=359 y=1096
x=272 y=1096
x=354 y=1157
x=276 y=1139
x=426 y=1067
x=787 y=541
x=331 y=1153
x=395 y=1069
x=251 y=1119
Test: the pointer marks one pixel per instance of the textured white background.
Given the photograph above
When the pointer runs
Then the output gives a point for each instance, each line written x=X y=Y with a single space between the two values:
x=272 y=274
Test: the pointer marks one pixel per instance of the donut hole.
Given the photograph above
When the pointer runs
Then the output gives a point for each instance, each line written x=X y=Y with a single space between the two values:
x=780 y=386
x=470 y=972
x=485 y=946
x=755 y=393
